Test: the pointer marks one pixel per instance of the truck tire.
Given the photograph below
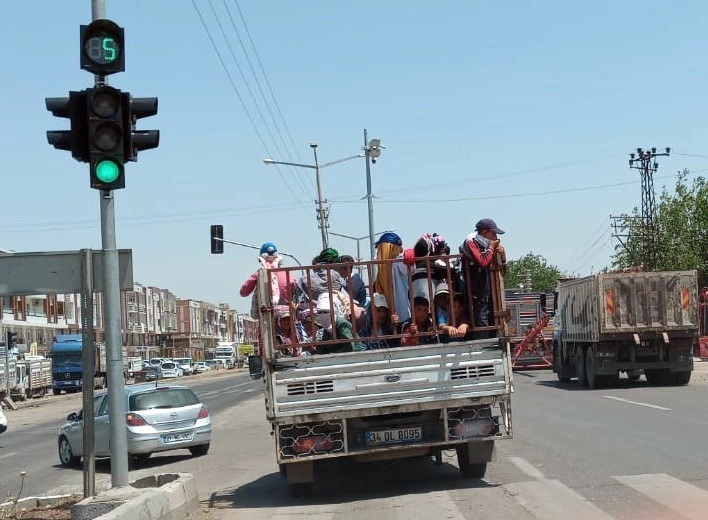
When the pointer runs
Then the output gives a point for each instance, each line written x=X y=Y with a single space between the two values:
x=56 y=391
x=658 y=376
x=593 y=380
x=682 y=378
x=560 y=368
x=468 y=470
x=580 y=372
x=633 y=375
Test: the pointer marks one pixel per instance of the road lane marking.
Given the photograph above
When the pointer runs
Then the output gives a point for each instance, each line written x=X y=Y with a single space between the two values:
x=551 y=500
x=8 y=455
x=681 y=497
x=655 y=406
x=222 y=390
x=527 y=468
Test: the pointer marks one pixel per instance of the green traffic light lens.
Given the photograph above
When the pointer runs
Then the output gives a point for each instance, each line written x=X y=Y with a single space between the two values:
x=107 y=171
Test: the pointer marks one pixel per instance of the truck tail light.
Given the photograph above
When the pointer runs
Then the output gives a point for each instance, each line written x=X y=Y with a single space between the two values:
x=133 y=419
x=203 y=413
x=313 y=443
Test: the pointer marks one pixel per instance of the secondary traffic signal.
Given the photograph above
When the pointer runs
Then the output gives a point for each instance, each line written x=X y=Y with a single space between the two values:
x=136 y=140
x=102 y=47
x=11 y=340
x=76 y=139
x=217 y=239
x=106 y=134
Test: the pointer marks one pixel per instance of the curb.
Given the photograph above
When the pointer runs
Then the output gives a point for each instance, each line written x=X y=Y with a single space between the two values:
x=166 y=496
x=33 y=502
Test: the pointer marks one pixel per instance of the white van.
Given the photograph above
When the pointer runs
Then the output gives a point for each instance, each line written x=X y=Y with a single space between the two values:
x=185 y=364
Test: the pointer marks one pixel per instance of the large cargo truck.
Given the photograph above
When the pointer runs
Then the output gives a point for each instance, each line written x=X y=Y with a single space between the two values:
x=34 y=378
x=630 y=322
x=385 y=403
x=68 y=364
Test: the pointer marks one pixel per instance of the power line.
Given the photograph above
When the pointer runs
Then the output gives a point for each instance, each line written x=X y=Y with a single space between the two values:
x=145 y=219
x=265 y=100
x=510 y=195
x=243 y=104
x=265 y=77
x=492 y=177
x=256 y=105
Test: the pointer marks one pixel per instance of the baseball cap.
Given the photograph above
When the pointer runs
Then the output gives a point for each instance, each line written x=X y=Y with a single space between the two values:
x=442 y=289
x=389 y=238
x=380 y=300
x=268 y=248
x=488 y=223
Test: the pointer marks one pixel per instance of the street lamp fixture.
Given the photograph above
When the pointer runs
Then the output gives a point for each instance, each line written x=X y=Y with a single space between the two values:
x=321 y=209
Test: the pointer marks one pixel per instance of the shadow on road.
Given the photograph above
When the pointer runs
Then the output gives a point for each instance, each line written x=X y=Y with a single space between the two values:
x=157 y=460
x=338 y=482
x=574 y=386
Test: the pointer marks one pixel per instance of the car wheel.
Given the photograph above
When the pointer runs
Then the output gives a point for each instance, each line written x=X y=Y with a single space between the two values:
x=198 y=451
x=66 y=456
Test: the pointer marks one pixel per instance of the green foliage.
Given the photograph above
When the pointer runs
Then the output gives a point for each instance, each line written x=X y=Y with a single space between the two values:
x=544 y=277
x=681 y=230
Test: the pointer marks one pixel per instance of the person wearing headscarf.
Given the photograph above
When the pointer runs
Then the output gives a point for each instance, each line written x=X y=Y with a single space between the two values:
x=392 y=278
x=320 y=278
x=281 y=286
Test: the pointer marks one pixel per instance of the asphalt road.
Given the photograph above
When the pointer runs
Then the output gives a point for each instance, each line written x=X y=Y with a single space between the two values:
x=626 y=453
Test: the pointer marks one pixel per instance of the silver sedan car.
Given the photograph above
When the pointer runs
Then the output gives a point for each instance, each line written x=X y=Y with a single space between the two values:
x=158 y=418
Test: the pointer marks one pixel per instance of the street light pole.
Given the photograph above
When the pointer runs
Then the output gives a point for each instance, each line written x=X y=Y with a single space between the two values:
x=369 y=200
x=320 y=201
x=321 y=208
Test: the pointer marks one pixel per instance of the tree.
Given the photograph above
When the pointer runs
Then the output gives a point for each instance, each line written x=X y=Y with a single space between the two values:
x=681 y=230
x=533 y=268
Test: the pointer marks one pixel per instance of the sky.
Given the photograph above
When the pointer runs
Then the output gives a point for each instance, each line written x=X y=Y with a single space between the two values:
x=524 y=112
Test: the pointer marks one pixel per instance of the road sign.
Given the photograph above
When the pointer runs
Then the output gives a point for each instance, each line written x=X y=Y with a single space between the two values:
x=57 y=272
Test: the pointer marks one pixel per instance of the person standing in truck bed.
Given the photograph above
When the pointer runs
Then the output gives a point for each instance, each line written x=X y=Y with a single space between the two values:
x=479 y=251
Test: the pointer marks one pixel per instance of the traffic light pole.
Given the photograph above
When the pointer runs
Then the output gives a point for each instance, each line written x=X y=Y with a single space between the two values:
x=112 y=321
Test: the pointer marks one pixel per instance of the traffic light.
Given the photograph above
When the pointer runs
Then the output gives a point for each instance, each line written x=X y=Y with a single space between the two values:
x=106 y=134
x=74 y=140
x=217 y=239
x=102 y=47
x=136 y=140
x=11 y=340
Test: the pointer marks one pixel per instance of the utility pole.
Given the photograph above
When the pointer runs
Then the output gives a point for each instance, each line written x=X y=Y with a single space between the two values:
x=322 y=213
x=372 y=151
x=645 y=162
x=111 y=296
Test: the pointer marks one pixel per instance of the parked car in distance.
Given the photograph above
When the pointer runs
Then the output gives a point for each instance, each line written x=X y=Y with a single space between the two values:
x=157 y=361
x=161 y=418
x=185 y=363
x=152 y=373
x=171 y=369
x=215 y=364
x=200 y=367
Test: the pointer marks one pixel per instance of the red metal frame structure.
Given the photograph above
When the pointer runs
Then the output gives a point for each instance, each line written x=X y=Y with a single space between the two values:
x=702 y=331
x=535 y=344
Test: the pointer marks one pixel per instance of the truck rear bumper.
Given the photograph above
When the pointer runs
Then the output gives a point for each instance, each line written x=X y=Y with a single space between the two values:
x=397 y=435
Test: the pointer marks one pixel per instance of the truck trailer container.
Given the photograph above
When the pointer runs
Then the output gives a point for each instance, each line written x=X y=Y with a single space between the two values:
x=632 y=322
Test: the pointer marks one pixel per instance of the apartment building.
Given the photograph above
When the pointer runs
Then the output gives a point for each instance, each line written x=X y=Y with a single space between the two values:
x=154 y=322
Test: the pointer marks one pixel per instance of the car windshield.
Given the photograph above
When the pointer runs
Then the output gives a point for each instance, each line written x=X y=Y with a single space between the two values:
x=169 y=366
x=162 y=398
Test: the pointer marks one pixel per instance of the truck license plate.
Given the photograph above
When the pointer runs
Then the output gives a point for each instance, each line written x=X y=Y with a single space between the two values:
x=176 y=437
x=394 y=436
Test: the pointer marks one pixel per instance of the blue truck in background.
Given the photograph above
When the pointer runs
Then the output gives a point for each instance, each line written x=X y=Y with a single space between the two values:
x=68 y=364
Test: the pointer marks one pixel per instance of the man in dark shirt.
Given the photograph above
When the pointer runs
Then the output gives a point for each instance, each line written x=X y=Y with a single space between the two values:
x=480 y=249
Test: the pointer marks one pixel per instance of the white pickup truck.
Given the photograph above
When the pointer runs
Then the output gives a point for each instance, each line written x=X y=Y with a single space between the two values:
x=384 y=404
